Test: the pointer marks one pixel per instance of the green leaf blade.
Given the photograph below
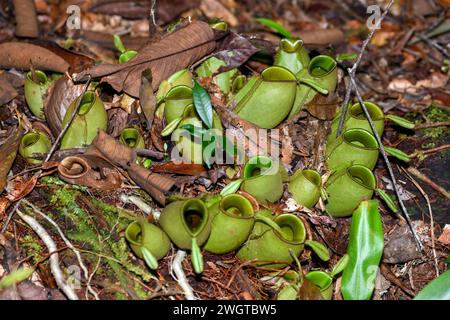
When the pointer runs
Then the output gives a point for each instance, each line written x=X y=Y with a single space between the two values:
x=278 y=28
x=365 y=249
x=438 y=289
x=232 y=187
x=149 y=259
x=319 y=249
x=399 y=154
x=203 y=105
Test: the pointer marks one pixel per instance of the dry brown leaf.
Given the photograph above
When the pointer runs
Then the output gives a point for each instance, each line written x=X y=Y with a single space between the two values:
x=59 y=96
x=8 y=152
x=180 y=168
x=444 y=238
x=214 y=8
x=21 y=187
x=147 y=98
x=23 y=56
x=156 y=185
x=7 y=91
x=173 y=53
x=309 y=291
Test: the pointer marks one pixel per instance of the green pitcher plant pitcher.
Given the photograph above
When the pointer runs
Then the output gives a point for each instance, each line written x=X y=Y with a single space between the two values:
x=272 y=239
x=354 y=146
x=90 y=117
x=176 y=101
x=132 y=138
x=188 y=225
x=179 y=78
x=346 y=188
x=147 y=241
x=319 y=77
x=35 y=90
x=262 y=179
x=355 y=118
x=33 y=142
x=323 y=280
x=232 y=220
x=266 y=100
x=223 y=80
x=292 y=55
x=305 y=187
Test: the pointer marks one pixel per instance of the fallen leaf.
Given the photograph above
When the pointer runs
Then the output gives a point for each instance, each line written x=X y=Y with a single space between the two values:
x=147 y=98
x=213 y=9
x=8 y=152
x=19 y=188
x=324 y=107
x=444 y=238
x=59 y=96
x=174 y=52
x=7 y=91
x=156 y=185
x=235 y=50
x=309 y=291
x=23 y=56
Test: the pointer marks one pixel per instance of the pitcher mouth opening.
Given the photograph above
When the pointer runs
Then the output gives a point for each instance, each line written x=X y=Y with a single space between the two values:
x=362 y=176
x=195 y=216
x=375 y=111
x=321 y=66
x=360 y=138
x=30 y=139
x=180 y=92
x=291 y=45
x=258 y=166
x=130 y=137
x=134 y=233
x=41 y=77
x=87 y=101
x=237 y=206
x=292 y=228
x=313 y=177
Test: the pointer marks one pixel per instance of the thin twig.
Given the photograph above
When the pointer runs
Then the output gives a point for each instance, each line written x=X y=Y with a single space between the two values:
x=352 y=71
x=388 y=164
x=68 y=244
x=430 y=182
x=427 y=199
x=152 y=19
x=428 y=151
x=54 y=258
x=432 y=125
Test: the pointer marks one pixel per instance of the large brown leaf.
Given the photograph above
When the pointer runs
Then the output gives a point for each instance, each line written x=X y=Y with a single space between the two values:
x=23 y=56
x=8 y=152
x=173 y=53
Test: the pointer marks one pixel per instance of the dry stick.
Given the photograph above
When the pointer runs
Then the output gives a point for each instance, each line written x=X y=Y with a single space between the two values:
x=427 y=199
x=50 y=153
x=152 y=19
x=427 y=180
x=68 y=244
x=54 y=260
x=432 y=125
x=388 y=164
x=428 y=151
x=352 y=71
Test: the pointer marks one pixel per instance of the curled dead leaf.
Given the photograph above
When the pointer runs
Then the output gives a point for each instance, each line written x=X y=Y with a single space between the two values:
x=8 y=152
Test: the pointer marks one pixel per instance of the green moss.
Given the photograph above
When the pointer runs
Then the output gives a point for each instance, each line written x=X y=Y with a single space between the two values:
x=435 y=114
x=32 y=247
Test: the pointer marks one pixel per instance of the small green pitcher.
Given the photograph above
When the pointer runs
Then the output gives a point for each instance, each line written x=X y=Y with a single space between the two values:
x=263 y=179
x=176 y=101
x=90 y=117
x=346 y=188
x=232 y=221
x=354 y=146
x=147 y=241
x=266 y=100
x=35 y=91
x=319 y=77
x=33 y=142
x=132 y=138
x=305 y=187
x=179 y=78
x=292 y=55
x=188 y=225
x=272 y=239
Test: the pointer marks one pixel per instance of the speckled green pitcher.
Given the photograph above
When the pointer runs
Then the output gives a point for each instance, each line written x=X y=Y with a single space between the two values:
x=90 y=117
x=355 y=118
x=132 y=138
x=266 y=100
x=271 y=239
x=319 y=77
x=263 y=179
x=232 y=221
x=354 y=146
x=141 y=234
x=33 y=142
x=346 y=188
x=292 y=55
x=35 y=91
x=305 y=187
